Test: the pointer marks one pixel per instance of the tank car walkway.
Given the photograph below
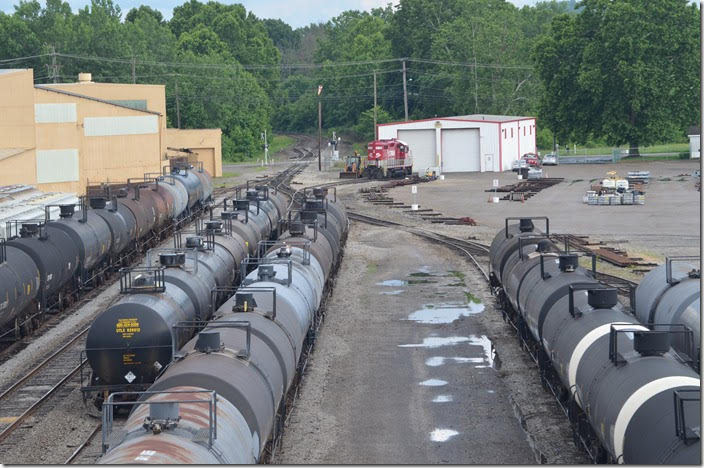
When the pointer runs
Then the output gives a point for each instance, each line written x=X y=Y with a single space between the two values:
x=403 y=371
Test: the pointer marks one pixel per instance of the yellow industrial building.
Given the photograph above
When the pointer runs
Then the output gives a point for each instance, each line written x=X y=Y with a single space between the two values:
x=63 y=137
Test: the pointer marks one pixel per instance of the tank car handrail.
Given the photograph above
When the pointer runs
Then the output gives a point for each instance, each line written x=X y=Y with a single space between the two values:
x=156 y=273
x=247 y=290
x=686 y=434
x=522 y=241
x=640 y=330
x=516 y=218
x=668 y=266
x=229 y=291
x=264 y=245
x=3 y=250
x=203 y=324
x=108 y=417
x=584 y=287
x=314 y=224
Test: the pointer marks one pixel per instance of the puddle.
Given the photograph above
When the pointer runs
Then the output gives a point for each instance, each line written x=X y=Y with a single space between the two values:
x=395 y=283
x=491 y=391
x=436 y=342
x=487 y=345
x=421 y=281
x=395 y=292
x=445 y=313
x=442 y=399
x=442 y=435
x=433 y=383
x=436 y=361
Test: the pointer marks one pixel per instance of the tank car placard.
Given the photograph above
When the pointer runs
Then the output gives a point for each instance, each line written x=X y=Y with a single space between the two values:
x=127 y=327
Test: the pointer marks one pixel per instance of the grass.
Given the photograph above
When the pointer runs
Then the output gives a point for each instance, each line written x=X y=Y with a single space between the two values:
x=276 y=143
x=280 y=142
x=420 y=274
x=582 y=151
x=371 y=268
x=226 y=175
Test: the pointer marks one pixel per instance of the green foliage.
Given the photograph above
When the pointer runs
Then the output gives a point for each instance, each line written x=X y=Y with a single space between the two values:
x=364 y=129
x=543 y=139
x=606 y=74
x=684 y=155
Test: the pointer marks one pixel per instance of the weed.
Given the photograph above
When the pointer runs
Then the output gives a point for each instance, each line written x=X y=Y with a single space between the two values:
x=371 y=268
x=420 y=274
x=472 y=298
x=456 y=274
x=457 y=284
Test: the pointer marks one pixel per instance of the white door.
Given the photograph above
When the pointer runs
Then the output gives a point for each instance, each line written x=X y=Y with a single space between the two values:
x=489 y=162
x=460 y=150
x=422 y=145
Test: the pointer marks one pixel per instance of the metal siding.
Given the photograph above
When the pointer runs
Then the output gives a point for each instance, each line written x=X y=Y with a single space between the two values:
x=460 y=150
x=59 y=165
x=55 y=112
x=130 y=125
x=422 y=144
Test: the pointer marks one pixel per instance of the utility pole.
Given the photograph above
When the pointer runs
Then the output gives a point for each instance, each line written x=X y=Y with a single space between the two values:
x=476 y=85
x=320 y=125
x=405 y=93
x=375 y=104
x=178 y=109
x=53 y=69
x=266 y=149
x=134 y=70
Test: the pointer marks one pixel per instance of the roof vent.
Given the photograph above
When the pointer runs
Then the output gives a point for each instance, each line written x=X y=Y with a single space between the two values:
x=284 y=252
x=213 y=225
x=526 y=225
x=568 y=262
x=85 y=78
x=602 y=298
x=319 y=192
x=260 y=187
x=208 y=341
x=316 y=205
x=297 y=229
x=544 y=246
x=252 y=194
x=29 y=230
x=98 y=203
x=194 y=242
x=309 y=217
x=266 y=272
x=228 y=214
x=651 y=342
x=162 y=417
x=66 y=210
x=172 y=259
x=244 y=302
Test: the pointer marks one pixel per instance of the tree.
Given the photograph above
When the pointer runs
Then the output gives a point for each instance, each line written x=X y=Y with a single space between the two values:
x=623 y=70
x=143 y=11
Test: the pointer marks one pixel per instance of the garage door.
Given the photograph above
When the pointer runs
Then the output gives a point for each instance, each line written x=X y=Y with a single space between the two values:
x=460 y=150
x=422 y=144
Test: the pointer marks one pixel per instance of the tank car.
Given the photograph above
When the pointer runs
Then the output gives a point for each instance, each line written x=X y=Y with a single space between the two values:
x=618 y=377
x=55 y=255
x=89 y=233
x=19 y=284
x=129 y=343
x=231 y=379
x=670 y=295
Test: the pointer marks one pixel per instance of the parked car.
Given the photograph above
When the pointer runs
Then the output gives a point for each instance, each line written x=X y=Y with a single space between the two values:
x=550 y=159
x=519 y=164
x=532 y=159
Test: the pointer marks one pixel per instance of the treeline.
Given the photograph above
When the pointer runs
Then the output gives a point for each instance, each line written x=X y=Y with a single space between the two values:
x=613 y=71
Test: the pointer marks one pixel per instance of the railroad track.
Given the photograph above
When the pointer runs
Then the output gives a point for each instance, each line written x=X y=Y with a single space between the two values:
x=79 y=450
x=470 y=249
x=23 y=398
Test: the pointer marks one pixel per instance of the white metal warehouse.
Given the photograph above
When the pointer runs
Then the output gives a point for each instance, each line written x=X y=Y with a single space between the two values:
x=466 y=143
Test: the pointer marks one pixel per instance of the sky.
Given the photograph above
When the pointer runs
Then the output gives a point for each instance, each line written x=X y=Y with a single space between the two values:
x=296 y=13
